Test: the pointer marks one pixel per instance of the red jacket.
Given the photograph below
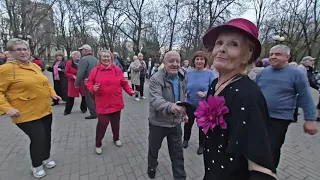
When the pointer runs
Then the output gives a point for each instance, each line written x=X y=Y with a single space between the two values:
x=108 y=98
x=71 y=71
x=39 y=63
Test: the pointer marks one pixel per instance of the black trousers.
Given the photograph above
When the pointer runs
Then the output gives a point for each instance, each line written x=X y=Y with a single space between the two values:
x=174 y=134
x=188 y=129
x=70 y=103
x=142 y=80
x=58 y=90
x=39 y=133
x=135 y=87
x=277 y=134
x=129 y=75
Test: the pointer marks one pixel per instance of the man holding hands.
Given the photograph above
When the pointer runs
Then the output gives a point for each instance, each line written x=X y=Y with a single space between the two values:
x=165 y=116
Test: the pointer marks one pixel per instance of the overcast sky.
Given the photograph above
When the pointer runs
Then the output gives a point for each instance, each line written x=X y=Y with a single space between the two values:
x=249 y=15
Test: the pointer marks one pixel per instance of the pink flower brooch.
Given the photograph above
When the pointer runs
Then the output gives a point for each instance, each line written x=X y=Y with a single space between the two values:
x=210 y=113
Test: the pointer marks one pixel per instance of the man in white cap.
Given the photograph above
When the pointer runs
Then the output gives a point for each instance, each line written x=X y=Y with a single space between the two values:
x=86 y=64
x=306 y=67
x=117 y=60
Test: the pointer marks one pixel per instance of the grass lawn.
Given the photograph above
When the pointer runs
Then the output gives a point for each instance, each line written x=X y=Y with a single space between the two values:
x=48 y=64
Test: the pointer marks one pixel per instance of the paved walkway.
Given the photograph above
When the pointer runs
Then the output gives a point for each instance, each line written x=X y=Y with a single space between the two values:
x=73 y=150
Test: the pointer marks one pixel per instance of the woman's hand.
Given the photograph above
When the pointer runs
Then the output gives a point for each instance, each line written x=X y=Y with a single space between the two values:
x=133 y=93
x=13 y=113
x=201 y=94
x=74 y=77
x=59 y=69
x=56 y=97
x=96 y=87
x=185 y=118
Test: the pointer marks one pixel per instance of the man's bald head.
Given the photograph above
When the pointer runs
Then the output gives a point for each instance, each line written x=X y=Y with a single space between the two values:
x=171 y=54
x=172 y=62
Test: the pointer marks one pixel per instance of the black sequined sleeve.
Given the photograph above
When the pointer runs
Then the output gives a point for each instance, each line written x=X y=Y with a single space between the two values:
x=248 y=132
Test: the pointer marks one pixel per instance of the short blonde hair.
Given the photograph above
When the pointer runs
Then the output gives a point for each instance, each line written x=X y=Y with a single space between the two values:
x=74 y=53
x=15 y=41
x=135 y=58
x=105 y=51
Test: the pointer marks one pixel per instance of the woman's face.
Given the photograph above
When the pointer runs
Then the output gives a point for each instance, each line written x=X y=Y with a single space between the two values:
x=231 y=52
x=20 y=52
x=76 y=56
x=59 y=58
x=199 y=62
x=105 y=59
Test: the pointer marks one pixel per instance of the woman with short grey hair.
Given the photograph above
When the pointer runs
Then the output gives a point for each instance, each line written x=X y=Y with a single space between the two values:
x=143 y=73
x=71 y=73
x=24 y=96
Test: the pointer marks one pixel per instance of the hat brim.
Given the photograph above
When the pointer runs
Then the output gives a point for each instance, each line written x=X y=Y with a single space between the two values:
x=210 y=38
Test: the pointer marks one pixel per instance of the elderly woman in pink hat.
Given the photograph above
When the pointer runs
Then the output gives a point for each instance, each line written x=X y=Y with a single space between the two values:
x=234 y=117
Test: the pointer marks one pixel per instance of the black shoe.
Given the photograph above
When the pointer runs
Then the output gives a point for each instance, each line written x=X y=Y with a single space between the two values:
x=185 y=144
x=84 y=111
x=66 y=113
x=200 y=150
x=91 y=117
x=151 y=172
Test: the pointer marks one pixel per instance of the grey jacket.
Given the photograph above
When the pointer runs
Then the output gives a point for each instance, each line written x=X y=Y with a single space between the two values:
x=162 y=98
x=86 y=64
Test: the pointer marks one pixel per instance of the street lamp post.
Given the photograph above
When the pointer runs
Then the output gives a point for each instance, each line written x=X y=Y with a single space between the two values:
x=279 y=38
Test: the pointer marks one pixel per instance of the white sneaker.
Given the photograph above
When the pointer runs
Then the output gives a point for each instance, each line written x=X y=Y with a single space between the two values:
x=99 y=150
x=38 y=172
x=49 y=163
x=137 y=99
x=118 y=143
x=143 y=97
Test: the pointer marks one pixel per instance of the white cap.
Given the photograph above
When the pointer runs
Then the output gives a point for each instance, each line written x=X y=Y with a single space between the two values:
x=86 y=46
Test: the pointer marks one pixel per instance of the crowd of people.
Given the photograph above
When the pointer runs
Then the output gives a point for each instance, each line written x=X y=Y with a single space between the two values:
x=243 y=113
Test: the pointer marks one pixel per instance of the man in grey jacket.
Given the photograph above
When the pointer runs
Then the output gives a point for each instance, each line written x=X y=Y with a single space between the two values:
x=165 y=116
x=86 y=64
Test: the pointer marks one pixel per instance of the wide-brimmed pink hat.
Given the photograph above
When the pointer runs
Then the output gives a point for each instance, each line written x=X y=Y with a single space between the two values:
x=243 y=25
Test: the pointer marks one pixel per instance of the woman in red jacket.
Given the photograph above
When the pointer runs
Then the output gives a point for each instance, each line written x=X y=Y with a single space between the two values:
x=71 y=72
x=106 y=82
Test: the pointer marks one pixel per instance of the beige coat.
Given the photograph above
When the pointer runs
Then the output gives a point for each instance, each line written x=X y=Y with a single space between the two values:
x=135 y=68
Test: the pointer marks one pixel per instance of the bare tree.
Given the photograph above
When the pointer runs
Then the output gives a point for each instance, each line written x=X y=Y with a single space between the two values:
x=172 y=11
x=262 y=9
x=108 y=20
x=134 y=11
x=30 y=18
